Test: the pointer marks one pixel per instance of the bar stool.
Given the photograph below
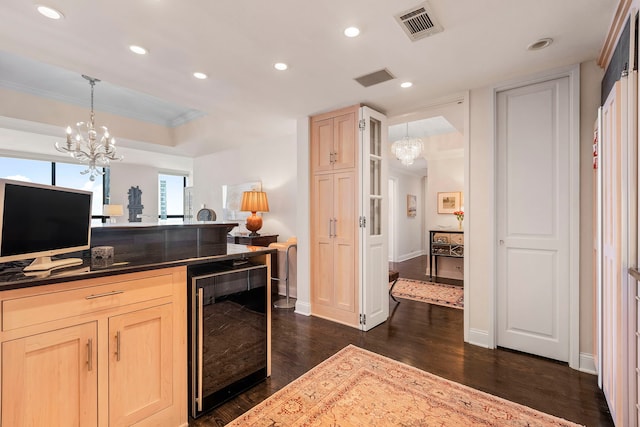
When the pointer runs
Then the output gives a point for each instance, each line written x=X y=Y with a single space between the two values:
x=285 y=302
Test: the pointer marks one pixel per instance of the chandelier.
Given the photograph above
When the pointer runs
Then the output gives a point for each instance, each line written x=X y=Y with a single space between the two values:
x=407 y=149
x=87 y=146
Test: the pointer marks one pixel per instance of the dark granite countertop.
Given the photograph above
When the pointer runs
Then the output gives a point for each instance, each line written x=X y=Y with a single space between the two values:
x=12 y=277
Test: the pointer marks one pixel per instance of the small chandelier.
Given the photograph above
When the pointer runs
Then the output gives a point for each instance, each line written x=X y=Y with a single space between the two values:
x=407 y=149
x=87 y=146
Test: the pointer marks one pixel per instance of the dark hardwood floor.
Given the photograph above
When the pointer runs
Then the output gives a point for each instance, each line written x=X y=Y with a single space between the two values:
x=429 y=337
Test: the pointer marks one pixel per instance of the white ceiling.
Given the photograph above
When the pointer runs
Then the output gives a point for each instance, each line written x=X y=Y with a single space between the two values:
x=236 y=43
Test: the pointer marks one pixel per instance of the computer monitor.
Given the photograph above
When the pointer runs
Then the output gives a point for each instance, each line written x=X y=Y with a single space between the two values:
x=40 y=221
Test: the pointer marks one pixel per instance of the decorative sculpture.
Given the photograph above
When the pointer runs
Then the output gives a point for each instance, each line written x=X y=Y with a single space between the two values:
x=135 y=204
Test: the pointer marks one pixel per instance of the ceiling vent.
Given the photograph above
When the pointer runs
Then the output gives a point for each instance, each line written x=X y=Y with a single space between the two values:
x=418 y=22
x=375 y=78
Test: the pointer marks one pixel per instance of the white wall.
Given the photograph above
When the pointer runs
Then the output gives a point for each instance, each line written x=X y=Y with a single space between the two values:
x=409 y=231
x=590 y=77
x=446 y=174
x=123 y=177
x=273 y=163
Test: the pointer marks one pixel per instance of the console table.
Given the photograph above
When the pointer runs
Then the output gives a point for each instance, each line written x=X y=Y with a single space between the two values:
x=245 y=239
x=444 y=243
x=260 y=240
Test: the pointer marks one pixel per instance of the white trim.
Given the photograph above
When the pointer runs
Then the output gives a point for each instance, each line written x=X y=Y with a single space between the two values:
x=587 y=363
x=303 y=308
x=573 y=73
x=466 y=261
x=478 y=337
x=303 y=219
x=410 y=255
x=392 y=181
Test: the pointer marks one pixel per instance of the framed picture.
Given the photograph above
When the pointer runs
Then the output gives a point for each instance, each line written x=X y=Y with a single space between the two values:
x=412 y=205
x=232 y=198
x=448 y=203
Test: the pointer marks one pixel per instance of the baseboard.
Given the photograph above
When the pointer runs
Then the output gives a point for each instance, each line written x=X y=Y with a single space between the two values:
x=587 y=364
x=479 y=338
x=282 y=291
x=410 y=255
x=303 y=308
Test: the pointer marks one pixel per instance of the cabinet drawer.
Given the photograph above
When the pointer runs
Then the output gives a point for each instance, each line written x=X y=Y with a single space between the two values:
x=441 y=238
x=36 y=309
x=457 y=239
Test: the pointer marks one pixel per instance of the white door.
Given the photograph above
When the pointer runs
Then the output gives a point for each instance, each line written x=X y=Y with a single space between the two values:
x=619 y=250
x=533 y=218
x=374 y=276
x=612 y=141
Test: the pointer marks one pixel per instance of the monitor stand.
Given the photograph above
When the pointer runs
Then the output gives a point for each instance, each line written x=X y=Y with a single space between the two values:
x=45 y=263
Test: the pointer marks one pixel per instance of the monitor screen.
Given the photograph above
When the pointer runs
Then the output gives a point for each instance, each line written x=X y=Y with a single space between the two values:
x=42 y=221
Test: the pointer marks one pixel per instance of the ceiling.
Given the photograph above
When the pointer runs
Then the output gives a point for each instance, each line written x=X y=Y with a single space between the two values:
x=236 y=42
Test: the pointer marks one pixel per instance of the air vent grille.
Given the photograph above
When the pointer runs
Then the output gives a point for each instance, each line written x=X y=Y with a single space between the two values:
x=375 y=77
x=418 y=22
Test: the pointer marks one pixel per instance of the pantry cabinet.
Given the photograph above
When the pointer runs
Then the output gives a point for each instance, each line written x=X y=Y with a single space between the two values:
x=334 y=139
x=334 y=291
x=108 y=351
x=348 y=201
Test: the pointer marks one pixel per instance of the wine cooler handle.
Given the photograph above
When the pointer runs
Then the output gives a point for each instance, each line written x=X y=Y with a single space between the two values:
x=200 y=298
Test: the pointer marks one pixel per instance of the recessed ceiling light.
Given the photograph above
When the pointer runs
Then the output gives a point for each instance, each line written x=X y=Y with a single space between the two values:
x=138 y=49
x=352 y=32
x=280 y=66
x=199 y=75
x=540 y=44
x=406 y=84
x=49 y=12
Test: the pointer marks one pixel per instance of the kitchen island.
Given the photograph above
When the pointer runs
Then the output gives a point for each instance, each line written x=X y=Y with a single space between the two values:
x=106 y=345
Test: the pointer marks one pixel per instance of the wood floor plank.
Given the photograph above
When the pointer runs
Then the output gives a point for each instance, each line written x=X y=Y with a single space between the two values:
x=429 y=337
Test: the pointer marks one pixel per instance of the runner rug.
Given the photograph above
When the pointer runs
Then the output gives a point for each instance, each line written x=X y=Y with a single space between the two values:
x=356 y=387
x=432 y=293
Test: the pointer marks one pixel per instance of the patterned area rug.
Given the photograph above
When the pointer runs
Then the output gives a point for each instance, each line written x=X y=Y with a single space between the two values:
x=356 y=387
x=432 y=293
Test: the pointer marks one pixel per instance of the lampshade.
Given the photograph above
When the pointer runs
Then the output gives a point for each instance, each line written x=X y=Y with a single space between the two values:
x=254 y=201
x=112 y=210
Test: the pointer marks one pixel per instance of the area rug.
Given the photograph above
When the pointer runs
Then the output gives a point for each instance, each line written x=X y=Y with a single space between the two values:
x=430 y=292
x=356 y=387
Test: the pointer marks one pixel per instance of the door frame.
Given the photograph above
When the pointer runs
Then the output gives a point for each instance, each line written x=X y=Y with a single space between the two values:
x=573 y=73
x=431 y=109
x=391 y=231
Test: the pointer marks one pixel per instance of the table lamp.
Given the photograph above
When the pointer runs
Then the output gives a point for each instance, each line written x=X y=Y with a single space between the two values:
x=254 y=201
x=112 y=211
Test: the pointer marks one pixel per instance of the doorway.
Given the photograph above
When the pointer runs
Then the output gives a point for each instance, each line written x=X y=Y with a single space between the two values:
x=439 y=169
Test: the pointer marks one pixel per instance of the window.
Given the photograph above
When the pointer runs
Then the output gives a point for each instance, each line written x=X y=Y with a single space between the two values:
x=171 y=195
x=55 y=173
x=28 y=170
x=68 y=175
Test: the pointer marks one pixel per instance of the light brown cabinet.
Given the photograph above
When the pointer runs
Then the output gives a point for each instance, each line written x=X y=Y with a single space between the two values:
x=140 y=380
x=99 y=352
x=334 y=140
x=51 y=378
x=334 y=211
